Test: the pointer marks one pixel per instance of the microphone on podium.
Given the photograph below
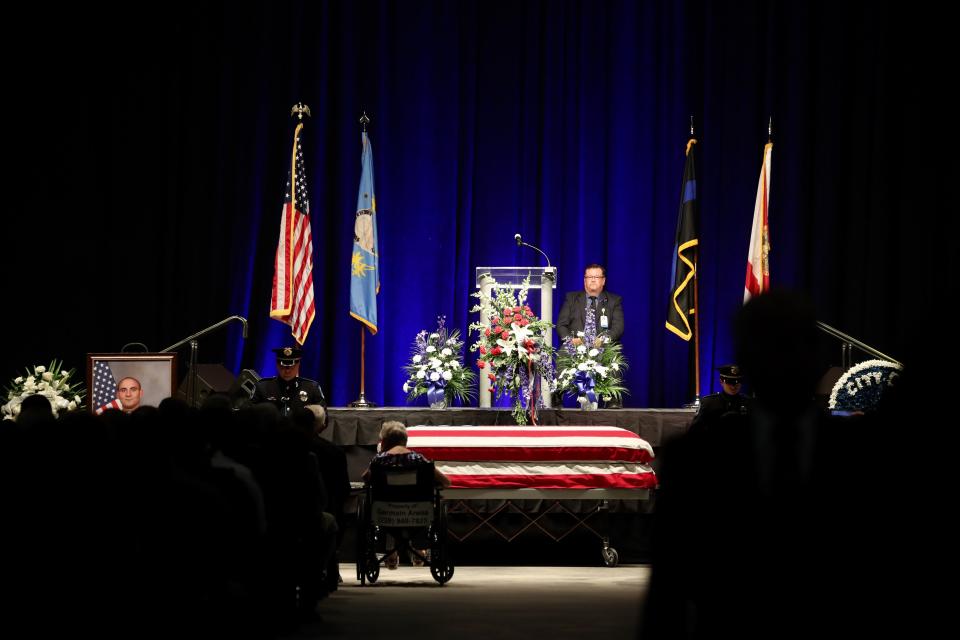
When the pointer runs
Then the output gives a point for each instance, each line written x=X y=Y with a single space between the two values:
x=520 y=243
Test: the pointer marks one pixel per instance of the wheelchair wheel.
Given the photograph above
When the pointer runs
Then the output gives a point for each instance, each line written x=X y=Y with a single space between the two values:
x=610 y=557
x=441 y=567
x=361 y=543
x=372 y=570
x=442 y=571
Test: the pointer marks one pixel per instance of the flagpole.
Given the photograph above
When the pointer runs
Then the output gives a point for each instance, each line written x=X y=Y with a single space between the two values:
x=362 y=402
x=696 y=313
x=696 y=307
x=696 y=330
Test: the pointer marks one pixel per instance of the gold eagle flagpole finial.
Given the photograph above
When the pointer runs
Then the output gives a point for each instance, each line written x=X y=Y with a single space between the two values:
x=299 y=110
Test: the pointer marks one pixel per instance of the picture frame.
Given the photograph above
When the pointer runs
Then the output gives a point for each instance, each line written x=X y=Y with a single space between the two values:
x=156 y=374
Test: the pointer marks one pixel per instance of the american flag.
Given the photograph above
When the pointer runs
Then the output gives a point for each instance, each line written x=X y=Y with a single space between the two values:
x=104 y=388
x=291 y=301
x=475 y=457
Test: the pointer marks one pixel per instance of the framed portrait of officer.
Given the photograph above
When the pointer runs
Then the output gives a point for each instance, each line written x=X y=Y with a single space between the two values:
x=127 y=381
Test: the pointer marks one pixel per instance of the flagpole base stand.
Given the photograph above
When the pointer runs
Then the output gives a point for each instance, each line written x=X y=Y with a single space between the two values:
x=693 y=405
x=361 y=403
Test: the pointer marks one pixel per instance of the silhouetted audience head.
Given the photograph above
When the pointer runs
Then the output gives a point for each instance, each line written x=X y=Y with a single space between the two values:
x=217 y=418
x=217 y=402
x=34 y=410
x=776 y=342
x=305 y=420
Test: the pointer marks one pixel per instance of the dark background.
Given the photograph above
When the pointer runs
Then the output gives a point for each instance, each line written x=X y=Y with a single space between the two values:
x=147 y=153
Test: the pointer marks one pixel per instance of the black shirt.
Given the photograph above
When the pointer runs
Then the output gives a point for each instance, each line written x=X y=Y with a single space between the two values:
x=288 y=396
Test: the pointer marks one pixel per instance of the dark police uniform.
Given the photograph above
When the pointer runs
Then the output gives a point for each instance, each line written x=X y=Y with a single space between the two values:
x=288 y=396
x=720 y=404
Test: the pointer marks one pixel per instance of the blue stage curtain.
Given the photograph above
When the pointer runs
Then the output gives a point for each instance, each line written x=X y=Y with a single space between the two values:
x=150 y=164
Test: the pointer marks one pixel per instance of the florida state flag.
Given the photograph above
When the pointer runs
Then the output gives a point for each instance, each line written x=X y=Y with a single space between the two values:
x=758 y=263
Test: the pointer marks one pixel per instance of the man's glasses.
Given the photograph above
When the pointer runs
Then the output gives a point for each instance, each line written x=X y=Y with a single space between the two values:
x=593 y=277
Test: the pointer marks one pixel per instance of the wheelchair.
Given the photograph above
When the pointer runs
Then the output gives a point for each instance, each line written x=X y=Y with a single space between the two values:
x=400 y=502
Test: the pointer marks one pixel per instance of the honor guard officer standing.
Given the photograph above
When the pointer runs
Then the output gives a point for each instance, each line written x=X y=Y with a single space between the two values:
x=729 y=400
x=288 y=391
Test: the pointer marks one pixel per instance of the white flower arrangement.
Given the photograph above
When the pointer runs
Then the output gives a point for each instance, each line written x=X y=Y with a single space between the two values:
x=862 y=385
x=591 y=370
x=52 y=382
x=436 y=368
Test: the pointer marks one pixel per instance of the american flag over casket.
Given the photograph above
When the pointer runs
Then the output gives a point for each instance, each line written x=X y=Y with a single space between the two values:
x=537 y=457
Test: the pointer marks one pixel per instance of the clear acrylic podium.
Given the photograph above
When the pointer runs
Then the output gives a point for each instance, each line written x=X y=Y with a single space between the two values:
x=542 y=278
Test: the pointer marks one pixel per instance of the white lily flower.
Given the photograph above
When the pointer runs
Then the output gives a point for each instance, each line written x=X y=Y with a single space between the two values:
x=594 y=353
x=581 y=349
x=431 y=349
x=520 y=335
x=446 y=352
x=434 y=376
x=417 y=358
x=406 y=388
x=421 y=374
x=39 y=369
x=447 y=375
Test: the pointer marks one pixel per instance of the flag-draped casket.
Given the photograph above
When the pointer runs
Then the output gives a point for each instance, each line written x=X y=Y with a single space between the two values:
x=482 y=457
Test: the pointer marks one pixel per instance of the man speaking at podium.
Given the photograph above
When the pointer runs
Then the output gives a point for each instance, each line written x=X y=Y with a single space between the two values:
x=604 y=305
x=288 y=391
x=593 y=311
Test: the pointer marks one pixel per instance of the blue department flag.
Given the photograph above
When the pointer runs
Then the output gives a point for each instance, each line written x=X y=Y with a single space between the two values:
x=682 y=305
x=365 y=261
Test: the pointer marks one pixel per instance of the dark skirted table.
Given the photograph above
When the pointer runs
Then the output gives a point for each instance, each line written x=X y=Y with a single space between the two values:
x=353 y=427
x=357 y=431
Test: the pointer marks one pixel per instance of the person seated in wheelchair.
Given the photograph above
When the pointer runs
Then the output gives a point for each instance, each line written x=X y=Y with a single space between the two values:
x=393 y=455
